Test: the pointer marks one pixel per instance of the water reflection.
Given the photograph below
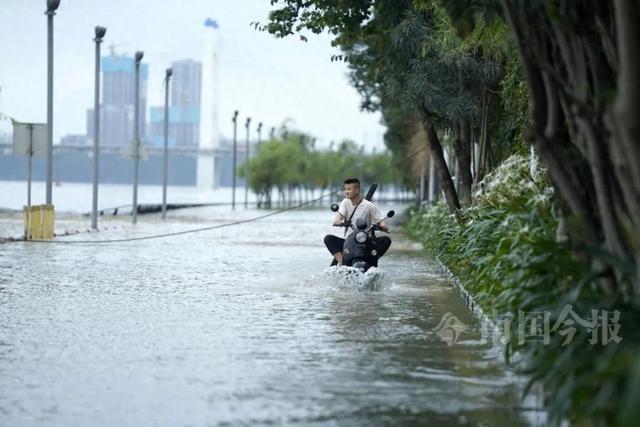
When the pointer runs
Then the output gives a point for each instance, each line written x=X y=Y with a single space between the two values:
x=219 y=328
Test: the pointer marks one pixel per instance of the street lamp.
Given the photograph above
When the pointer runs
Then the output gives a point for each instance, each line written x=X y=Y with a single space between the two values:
x=52 y=6
x=246 y=165
x=259 y=134
x=136 y=136
x=165 y=174
x=235 y=149
x=99 y=34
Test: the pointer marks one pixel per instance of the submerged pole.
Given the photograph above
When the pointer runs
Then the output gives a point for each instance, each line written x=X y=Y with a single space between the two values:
x=165 y=170
x=136 y=136
x=99 y=34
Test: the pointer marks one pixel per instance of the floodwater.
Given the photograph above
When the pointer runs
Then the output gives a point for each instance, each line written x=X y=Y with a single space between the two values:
x=242 y=325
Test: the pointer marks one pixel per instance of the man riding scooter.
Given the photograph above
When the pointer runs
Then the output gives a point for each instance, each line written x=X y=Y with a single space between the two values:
x=351 y=209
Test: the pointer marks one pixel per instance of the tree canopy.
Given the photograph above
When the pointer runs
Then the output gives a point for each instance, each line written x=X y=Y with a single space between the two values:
x=290 y=162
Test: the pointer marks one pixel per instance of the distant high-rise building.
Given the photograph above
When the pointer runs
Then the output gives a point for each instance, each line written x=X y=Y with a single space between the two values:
x=186 y=83
x=209 y=136
x=116 y=125
x=118 y=98
x=184 y=107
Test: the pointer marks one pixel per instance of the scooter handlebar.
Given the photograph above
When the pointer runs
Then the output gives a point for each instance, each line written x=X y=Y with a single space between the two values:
x=344 y=224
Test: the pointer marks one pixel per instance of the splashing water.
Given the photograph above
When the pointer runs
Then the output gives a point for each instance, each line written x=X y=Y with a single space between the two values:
x=348 y=278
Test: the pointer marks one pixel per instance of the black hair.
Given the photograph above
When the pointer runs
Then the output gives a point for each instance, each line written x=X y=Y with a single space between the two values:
x=352 y=181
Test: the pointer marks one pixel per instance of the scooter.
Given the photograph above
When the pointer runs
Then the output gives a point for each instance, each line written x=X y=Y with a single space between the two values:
x=360 y=249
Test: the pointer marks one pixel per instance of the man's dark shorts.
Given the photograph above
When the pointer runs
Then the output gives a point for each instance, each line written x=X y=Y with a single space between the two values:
x=334 y=244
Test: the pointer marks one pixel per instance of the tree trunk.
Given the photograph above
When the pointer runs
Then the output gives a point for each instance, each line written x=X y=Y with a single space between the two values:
x=554 y=149
x=463 y=156
x=462 y=148
x=484 y=142
x=571 y=74
x=624 y=121
x=442 y=170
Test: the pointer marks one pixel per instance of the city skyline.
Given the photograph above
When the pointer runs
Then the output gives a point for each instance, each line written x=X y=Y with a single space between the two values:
x=184 y=107
x=269 y=79
x=117 y=101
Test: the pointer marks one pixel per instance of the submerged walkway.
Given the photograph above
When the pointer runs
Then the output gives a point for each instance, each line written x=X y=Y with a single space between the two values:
x=238 y=326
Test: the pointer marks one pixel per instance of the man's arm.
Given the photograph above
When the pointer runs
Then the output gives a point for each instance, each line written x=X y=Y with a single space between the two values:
x=379 y=219
x=342 y=211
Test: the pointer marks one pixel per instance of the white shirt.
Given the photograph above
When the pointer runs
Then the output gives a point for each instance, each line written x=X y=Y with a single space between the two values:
x=365 y=210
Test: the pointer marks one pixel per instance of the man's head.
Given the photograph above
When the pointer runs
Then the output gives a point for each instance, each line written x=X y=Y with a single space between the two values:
x=351 y=188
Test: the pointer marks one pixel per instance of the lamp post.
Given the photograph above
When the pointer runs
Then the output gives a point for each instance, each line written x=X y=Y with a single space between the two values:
x=52 y=5
x=259 y=145
x=165 y=175
x=235 y=149
x=246 y=165
x=99 y=34
x=136 y=136
x=259 y=134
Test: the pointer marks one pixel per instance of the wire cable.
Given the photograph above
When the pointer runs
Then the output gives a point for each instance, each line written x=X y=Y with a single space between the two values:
x=178 y=233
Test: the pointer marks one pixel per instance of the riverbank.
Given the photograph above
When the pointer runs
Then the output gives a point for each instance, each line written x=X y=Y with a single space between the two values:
x=505 y=253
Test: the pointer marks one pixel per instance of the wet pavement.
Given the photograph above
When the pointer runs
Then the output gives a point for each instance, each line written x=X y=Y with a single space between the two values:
x=237 y=326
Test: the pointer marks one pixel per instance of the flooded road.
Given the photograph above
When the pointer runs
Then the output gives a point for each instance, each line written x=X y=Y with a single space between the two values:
x=236 y=326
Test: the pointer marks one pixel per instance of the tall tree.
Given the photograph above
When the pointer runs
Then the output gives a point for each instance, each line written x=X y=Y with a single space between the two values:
x=581 y=64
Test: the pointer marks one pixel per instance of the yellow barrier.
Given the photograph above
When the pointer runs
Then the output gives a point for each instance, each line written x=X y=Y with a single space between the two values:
x=39 y=222
x=36 y=222
x=49 y=218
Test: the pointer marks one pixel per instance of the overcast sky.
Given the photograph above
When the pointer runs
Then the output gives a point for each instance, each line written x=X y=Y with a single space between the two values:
x=269 y=79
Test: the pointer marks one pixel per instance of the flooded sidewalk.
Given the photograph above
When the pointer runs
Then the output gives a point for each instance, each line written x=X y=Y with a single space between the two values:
x=238 y=326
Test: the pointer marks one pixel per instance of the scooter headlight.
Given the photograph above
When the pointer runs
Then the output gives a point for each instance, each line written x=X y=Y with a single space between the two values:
x=361 y=237
x=374 y=252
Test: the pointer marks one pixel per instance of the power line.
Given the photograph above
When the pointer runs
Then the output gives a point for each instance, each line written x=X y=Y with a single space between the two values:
x=194 y=230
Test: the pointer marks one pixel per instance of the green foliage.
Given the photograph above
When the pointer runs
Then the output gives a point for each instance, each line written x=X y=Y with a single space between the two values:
x=405 y=55
x=511 y=117
x=504 y=251
x=292 y=162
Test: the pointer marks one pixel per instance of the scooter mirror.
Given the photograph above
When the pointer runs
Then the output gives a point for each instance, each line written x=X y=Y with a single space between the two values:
x=335 y=207
x=390 y=214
